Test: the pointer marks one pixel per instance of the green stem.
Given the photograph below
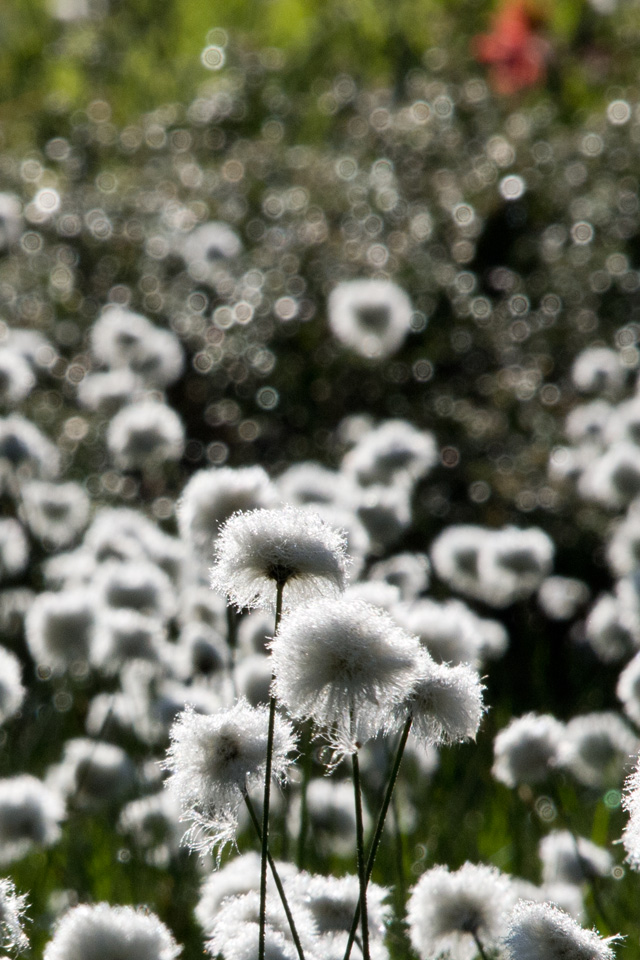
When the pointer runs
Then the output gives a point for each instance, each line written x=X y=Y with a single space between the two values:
x=375 y=843
x=590 y=880
x=267 y=796
x=276 y=877
x=362 y=869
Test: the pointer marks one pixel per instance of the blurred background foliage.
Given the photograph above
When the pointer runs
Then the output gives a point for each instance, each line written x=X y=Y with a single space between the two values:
x=58 y=55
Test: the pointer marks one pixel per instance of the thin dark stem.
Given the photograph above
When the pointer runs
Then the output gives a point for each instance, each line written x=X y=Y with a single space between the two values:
x=276 y=878
x=267 y=797
x=362 y=869
x=232 y=642
x=375 y=843
x=588 y=878
x=399 y=852
x=479 y=945
x=307 y=759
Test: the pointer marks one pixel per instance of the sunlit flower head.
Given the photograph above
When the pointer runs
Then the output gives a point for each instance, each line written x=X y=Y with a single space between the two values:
x=344 y=664
x=102 y=932
x=541 y=931
x=13 y=908
x=445 y=702
x=371 y=317
x=214 y=759
x=448 y=909
x=292 y=548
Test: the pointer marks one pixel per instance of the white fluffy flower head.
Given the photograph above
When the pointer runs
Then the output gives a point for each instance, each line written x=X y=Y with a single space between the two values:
x=103 y=932
x=541 y=931
x=345 y=664
x=214 y=759
x=259 y=550
x=447 y=910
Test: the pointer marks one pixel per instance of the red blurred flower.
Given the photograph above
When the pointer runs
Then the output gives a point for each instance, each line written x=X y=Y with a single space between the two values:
x=515 y=51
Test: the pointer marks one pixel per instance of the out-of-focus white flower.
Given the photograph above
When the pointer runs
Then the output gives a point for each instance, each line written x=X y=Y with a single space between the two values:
x=447 y=910
x=93 y=772
x=107 y=392
x=56 y=513
x=587 y=422
x=124 y=634
x=140 y=586
x=309 y=483
x=527 y=749
x=598 y=370
x=385 y=513
x=623 y=549
x=495 y=566
x=332 y=819
x=344 y=664
x=60 y=627
x=144 y=435
x=30 y=816
x=448 y=631
x=213 y=760
x=253 y=679
x=407 y=571
x=628 y=689
x=562 y=597
x=371 y=317
x=122 y=338
x=16 y=377
x=14 y=548
x=13 y=907
x=541 y=931
x=394 y=449
x=153 y=823
x=612 y=479
x=111 y=933
x=25 y=452
x=597 y=748
x=610 y=633
x=293 y=548
x=570 y=859
x=209 y=243
x=211 y=497
x=12 y=692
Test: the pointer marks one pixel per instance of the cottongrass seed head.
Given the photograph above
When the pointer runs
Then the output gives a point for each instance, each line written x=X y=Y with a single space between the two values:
x=444 y=702
x=102 y=932
x=631 y=803
x=448 y=910
x=291 y=547
x=345 y=664
x=541 y=931
x=213 y=759
x=527 y=749
x=12 y=914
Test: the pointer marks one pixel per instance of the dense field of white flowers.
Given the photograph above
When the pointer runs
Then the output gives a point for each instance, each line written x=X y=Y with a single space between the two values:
x=320 y=527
